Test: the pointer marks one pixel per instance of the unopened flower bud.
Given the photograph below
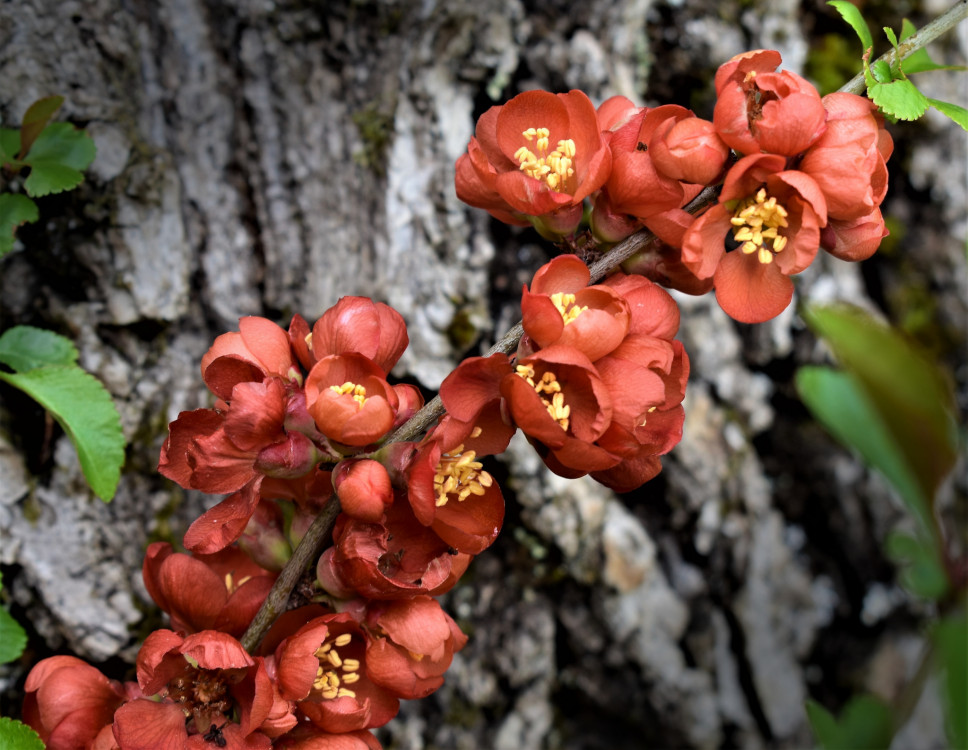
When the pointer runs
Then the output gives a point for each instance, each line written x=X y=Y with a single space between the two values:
x=294 y=457
x=689 y=150
x=364 y=489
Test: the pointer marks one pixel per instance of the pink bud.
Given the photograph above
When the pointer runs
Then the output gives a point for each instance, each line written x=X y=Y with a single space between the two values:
x=689 y=150
x=364 y=489
x=294 y=457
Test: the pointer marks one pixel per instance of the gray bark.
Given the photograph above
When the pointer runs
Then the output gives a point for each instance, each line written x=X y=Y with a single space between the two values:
x=267 y=158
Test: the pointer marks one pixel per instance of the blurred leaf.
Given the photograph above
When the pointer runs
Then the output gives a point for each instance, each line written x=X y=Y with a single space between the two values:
x=852 y=15
x=950 y=638
x=866 y=723
x=899 y=99
x=15 y=210
x=83 y=407
x=17 y=736
x=36 y=118
x=956 y=113
x=23 y=348
x=920 y=61
x=921 y=569
x=13 y=639
x=916 y=446
x=57 y=158
x=890 y=36
x=9 y=145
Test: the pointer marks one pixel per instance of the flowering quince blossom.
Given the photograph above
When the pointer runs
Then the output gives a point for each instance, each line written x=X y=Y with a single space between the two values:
x=205 y=686
x=71 y=705
x=534 y=160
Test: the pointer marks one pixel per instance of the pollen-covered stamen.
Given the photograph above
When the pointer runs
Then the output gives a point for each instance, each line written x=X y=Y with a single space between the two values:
x=567 y=307
x=334 y=671
x=545 y=386
x=231 y=585
x=757 y=223
x=203 y=694
x=458 y=473
x=555 y=168
x=358 y=391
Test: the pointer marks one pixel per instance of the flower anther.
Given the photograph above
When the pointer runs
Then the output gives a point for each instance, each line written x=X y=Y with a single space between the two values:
x=757 y=223
x=202 y=694
x=334 y=672
x=567 y=307
x=553 y=168
x=458 y=473
x=358 y=391
x=547 y=385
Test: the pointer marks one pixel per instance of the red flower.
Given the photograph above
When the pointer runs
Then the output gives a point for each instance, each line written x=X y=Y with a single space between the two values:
x=350 y=399
x=758 y=109
x=562 y=309
x=689 y=149
x=71 y=705
x=854 y=239
x=222 y=591
x=323 y=667
x=205 y=682
x=396 y=558
x=539 y=155
x=774 y=215
x=353 y=325
x=258 y=350
x=412 y=644
x=310 y=738
x=364 y=490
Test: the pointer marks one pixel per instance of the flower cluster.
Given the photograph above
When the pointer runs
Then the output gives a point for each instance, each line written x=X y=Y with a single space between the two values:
x=798 y=173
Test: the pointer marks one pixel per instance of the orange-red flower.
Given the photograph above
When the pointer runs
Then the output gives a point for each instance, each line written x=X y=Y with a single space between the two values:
x=772 y=216
x=535 y=159
x=760 y=110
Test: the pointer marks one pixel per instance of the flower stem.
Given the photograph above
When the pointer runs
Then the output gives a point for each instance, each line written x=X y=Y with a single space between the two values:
x=921 y=38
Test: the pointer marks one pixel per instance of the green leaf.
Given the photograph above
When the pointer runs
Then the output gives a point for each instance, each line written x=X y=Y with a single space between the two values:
x=920 y=61
x=15 y=210
x=57 y=158
x=852 y=15
x=17 y=736
x=841 y=404
x=911 y=397
x=865 y=722
x=956 y=113
x=882 y=71
x=950 y=638
x=908 y=29
x=900 y=99
x=13 y=639
x=890 y=36
x=9 y=145
x=83 y=407
x=36 y=118
x=24 y=348
x=921 y=569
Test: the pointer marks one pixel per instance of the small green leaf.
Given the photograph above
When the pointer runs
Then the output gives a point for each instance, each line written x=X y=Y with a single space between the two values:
x=852 y=16
x=900 y=99
x=17 y=736
x=910 y=396
x=890 y=36
x=908 y=29
x=882 y=71
x=83 y=407
x=956 y=113
x=13 y=639
x=24 y=348
x=865 y=722
x=36 y=118
x=15 y=209
x=921 y=570
x=57 y=158
x=951 y=643
x=9 y=145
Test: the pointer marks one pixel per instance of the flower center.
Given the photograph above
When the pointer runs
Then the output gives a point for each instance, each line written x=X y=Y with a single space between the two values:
x=552 y=169
x=203 y=695
x=757 y=222
x=358 y=391
x=334 y=671
x=458 y=473
x=567 y=307
x=548 y=385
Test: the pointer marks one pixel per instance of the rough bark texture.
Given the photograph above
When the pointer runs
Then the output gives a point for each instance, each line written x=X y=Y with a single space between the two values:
x=266 y=158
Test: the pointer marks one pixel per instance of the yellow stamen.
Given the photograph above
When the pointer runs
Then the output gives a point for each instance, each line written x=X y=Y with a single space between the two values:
x=358 y=391
x=548 y=384
x=757 y=222
x=567 y=307
x=231 y=585
x=458 y=473
x=555 y=168
x=333 y=671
